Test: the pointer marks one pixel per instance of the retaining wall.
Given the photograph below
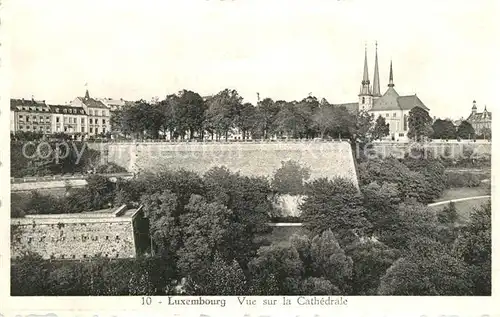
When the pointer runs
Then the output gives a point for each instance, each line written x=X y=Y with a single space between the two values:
x=325 y=159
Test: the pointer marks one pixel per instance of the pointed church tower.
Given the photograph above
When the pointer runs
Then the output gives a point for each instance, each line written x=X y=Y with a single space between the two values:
x=365 y=92
x=87 y=96
x=391 y=78
x=376 y=79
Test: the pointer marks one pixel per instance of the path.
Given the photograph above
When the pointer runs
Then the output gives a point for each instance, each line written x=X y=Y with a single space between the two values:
x=457 y=200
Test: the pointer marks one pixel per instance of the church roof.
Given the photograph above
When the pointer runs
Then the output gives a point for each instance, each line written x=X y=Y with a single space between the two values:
x=391 y=100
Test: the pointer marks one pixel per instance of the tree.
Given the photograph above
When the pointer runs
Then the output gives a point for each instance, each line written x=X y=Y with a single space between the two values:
x=247 y=197
x=205 y=230
x=413 y=221
x=444 y=129
x=370 y=262
x=276 y=270
x=381 y=128
x=419 y=124
x=381 y=202
x=333 y=204
x=267 y=110
x=191 y=112
x=473 y=246
x=245 y=119
x=361 y=127
x=164 y=230
x=448 y=215
x=221 y=279
x=221 y=113
x=288 y=122
x=324 y=119
x=429 y=269
x=290 y=178
x=330 y=261
x=486 y=133
x=465 y=130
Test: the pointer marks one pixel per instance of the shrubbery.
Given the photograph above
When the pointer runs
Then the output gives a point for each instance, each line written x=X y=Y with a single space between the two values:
x=462 y=179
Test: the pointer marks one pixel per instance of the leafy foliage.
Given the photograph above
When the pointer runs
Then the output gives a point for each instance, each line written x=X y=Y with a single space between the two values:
x=419 y=124
x=290 y=178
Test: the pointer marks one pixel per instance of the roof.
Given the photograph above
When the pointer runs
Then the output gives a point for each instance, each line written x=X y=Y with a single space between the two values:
x=119 y=214
x=350 y=106
x=61 y=108
x=92 y=103
x=18 y=104
x=480 y=116
x=391 y=100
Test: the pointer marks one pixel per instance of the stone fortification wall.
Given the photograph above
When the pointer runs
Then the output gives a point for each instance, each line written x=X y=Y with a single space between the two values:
x=76 y=236
x=325 y=159
x=454 y=150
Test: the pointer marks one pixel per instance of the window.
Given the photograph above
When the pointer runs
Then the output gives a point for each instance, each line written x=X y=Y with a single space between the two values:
x=27 y=127
x=65 y=111
x=91 y=130
x=103 y=130
x=48 y=118
x=363 y=100
x=57 y=119
x=74 y=120
x=20 y=116
x=394 y=114
x=21 y=127
x=107 y=237
x=82 y=120
x=57 y=109
x=73 y=256
x=401 y=134
x=65 y=129
x=83 y=129
x=91 y=112
x=96 y=130
x=27 y=118
x=103 y=121
x=386 y=115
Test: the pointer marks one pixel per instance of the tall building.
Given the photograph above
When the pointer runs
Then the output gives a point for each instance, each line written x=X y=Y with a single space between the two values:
x=391 y=106
x=480 y=121
x=30 y=115
x=98 y=114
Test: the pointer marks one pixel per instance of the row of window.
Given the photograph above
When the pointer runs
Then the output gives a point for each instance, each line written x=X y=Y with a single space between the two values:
x=97 y=113
x=34 y=109
x=34 y=117
x=84 y=238
x=73 y=256
x=74 y=111
x=34 y=128
x=393 y=115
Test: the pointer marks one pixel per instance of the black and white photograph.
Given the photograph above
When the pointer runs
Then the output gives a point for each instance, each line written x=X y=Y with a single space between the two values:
x=317 y=150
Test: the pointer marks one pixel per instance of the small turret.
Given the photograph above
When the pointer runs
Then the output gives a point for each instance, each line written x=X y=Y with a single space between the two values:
x=474 y=107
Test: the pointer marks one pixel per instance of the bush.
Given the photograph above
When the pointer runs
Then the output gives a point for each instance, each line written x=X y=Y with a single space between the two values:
x=461 y=179
x=290 y=178
x=110 y=168
x=448 y=215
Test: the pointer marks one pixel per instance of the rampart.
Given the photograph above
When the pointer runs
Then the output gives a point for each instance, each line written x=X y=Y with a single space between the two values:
x=106 y=233
x=325 y=159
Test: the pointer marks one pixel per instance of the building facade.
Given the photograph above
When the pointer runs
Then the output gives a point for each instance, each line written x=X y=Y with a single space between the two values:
x=30 y=116
x=480 y=121
x=391 y=106
x=84 y=116
x=98 y=114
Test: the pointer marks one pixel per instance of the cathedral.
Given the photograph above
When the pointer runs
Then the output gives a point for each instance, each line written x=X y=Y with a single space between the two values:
x=391 y=106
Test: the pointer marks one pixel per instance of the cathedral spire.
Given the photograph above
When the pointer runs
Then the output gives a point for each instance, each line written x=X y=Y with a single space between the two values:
x=365 y=83
x=391 y=77
x=376 y=79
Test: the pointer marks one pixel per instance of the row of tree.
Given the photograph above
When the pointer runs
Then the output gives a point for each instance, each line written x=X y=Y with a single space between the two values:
x=207 y=230
x=188 y=115
x=445 y=129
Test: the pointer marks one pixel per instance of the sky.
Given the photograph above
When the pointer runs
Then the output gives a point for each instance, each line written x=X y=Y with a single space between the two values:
x=444 y=51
